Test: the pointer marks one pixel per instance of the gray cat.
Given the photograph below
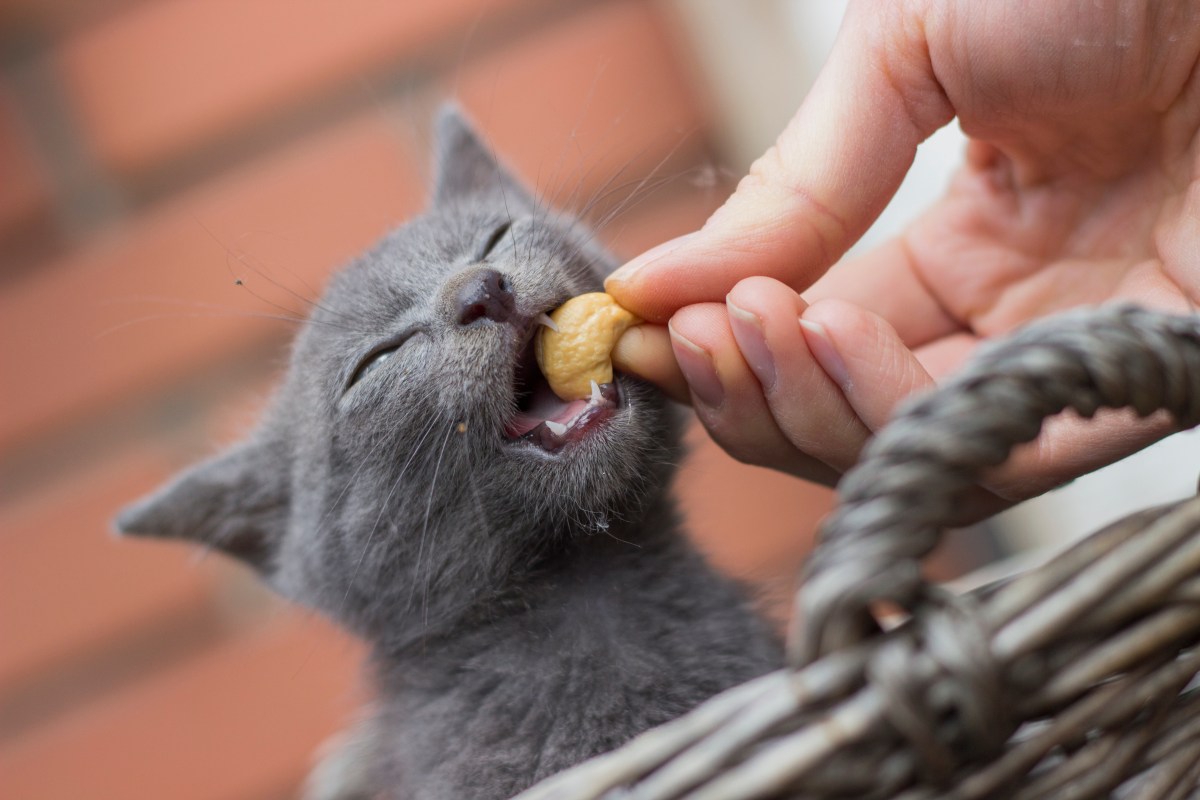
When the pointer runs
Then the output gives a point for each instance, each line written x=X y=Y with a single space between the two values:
x=526 y=593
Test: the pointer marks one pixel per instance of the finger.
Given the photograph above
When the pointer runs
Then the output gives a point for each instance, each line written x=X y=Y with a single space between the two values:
x=865 y=357
x=806 y=403
x=817 y=190
x=942 y=357
x=876 y=372
x=645 y=351
x=1070 y=446
x=885 y=282
x=728 y=398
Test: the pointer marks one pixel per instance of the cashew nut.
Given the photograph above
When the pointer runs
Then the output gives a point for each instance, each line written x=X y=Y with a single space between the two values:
x=580 y=350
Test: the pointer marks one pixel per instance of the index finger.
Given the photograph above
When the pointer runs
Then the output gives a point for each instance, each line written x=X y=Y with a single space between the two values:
x=822 y=184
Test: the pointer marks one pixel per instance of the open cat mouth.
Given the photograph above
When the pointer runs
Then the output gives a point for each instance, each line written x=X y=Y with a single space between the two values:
x=547 y=421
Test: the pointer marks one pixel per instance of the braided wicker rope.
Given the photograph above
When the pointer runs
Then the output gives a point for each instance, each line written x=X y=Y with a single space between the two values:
x=1070 y=680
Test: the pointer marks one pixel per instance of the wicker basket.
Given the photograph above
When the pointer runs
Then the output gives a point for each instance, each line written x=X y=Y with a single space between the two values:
x=1070 y=680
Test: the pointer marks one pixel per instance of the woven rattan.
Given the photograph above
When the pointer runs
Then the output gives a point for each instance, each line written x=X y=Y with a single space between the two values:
x=1071 y=680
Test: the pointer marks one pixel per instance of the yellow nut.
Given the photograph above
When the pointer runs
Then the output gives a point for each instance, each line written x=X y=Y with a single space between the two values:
x=580 y=351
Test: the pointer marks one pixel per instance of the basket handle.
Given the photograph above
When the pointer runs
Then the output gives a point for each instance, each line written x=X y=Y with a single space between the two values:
x=894 y=505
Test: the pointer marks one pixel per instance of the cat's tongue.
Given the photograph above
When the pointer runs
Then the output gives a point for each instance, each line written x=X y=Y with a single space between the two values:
x=544 y=405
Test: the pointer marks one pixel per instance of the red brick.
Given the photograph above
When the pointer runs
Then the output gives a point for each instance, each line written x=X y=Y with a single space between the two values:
x=754 y=523
x=163 y=77
x=152 y=301
x=70 y=587
x=25 y=191
x=47 y=18
x=596 y=97
x=240 y=721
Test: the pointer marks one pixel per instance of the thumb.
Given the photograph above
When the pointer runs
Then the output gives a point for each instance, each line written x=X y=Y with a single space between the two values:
x=821 y=185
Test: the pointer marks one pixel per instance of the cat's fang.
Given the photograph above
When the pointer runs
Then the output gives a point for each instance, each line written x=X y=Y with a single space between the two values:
x=544 y=319
x=573 y=423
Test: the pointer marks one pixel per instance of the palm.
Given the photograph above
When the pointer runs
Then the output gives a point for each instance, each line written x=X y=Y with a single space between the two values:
x=995 y=255
x=1079 y=188
x=1079 y=195
x=1075 y=191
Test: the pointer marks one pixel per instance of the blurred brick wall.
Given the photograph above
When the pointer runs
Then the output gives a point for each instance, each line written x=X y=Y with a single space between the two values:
x=152 y=151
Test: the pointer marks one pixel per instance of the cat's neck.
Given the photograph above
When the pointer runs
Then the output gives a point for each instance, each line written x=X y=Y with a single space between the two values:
x=620 y=558
x=613 y=637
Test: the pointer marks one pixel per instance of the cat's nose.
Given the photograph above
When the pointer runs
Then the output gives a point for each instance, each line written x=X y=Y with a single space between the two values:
x=486 y=294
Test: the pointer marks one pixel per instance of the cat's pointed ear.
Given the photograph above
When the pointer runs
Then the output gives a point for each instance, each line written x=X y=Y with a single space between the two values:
x=465 y=165
x=237 y=503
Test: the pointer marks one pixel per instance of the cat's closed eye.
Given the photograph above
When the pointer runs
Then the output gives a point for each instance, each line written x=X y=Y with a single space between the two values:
x=375 y=358
x=494 y=239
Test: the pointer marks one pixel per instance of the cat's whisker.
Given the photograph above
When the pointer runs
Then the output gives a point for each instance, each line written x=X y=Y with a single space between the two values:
x=570 y=202
x=246 y=259
x=337 y=501
x=572 y=139
x=383 y=507
x=602 y=189
x=243 y=258
x=642 y=188
x=642 y=193
x=120 y=326
x=500 y=181
x=213 y=311
x=651 y=179
x=425 y=530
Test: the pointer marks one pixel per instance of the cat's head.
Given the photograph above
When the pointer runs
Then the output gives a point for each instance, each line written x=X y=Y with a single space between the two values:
x=404 y=472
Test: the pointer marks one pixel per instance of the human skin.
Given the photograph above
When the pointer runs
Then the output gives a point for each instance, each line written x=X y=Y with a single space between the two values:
x=1079 y=187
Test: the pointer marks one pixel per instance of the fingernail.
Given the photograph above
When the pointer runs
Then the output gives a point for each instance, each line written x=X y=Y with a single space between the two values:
x=699 y=370
x=821 y=346
x=752 y=341
x=625 y=273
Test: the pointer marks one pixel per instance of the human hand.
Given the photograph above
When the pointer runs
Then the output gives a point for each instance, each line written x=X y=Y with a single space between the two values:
x=1079 y=187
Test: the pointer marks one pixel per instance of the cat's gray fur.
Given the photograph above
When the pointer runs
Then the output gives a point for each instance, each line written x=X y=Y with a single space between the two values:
x=525 y=609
